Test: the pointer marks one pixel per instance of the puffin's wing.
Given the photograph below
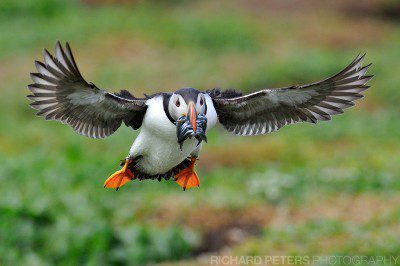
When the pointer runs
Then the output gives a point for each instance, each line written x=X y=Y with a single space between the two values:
x=60 y=93
x=270 y=109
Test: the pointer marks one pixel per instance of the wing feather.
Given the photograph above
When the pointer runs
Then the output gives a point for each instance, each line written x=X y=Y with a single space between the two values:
x=270 y=109
x=59 y=92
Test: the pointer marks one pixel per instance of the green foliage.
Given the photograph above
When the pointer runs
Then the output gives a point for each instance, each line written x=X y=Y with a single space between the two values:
x=53 y=208
x=214 y=34
x=37 y=8
x=41 y=22
x=308 y=239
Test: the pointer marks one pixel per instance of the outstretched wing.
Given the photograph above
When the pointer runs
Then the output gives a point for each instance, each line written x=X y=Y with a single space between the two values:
x=270 y=109
x=60 y=93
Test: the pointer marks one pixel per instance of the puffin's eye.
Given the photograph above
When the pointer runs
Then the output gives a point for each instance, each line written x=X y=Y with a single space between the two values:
x=177 y=103
x=201 y=101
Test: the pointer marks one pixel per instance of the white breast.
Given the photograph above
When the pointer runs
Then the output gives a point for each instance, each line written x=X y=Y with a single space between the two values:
x=157 y=140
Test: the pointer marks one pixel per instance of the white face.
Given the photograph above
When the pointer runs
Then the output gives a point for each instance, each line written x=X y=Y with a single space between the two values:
x=201 y=104
x=177 y=106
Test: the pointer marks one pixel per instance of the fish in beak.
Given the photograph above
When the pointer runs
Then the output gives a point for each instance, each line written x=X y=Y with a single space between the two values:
x=191 y=125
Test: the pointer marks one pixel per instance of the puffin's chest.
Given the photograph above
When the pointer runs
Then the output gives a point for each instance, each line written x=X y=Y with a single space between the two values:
x=157 y=142
x=161 y=156
x=159 y=153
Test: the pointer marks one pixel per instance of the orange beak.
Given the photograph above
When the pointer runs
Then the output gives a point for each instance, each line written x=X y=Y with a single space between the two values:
x=192 y=116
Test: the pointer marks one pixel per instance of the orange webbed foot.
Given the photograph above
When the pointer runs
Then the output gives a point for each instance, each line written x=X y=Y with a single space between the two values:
x=187 y=178
x=120 y=178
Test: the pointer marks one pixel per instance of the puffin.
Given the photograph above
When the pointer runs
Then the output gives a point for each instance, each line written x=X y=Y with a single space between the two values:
x=173 y=125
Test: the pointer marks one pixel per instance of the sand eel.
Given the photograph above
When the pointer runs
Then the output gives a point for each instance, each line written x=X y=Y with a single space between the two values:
x=173 y=125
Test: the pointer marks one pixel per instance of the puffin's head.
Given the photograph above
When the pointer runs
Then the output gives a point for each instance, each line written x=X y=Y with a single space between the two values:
x=188 y=108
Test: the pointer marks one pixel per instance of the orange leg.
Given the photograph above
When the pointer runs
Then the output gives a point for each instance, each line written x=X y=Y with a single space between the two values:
x=187 y=178
x=120 y=178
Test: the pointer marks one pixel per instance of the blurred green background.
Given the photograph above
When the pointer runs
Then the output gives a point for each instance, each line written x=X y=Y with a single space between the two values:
x=326 y=189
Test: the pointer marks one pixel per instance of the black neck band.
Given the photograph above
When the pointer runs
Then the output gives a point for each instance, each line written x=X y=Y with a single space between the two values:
x=166 y=98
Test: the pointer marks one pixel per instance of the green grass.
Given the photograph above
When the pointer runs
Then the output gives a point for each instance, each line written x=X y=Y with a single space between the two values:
x=53 y=208
x=337 y=237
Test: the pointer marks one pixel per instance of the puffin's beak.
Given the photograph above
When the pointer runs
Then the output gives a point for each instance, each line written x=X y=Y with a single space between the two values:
x=191 y=125
x=192 y=116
